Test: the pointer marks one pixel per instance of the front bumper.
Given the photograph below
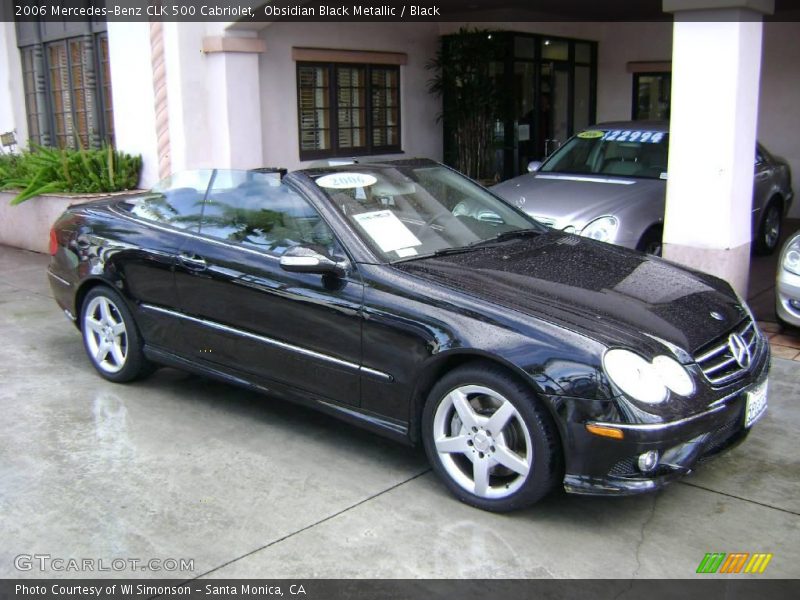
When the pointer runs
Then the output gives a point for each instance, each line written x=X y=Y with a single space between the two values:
x=610 y=467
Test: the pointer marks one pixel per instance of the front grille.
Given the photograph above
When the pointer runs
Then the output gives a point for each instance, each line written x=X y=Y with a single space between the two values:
x=718 y=362
x=627 y=466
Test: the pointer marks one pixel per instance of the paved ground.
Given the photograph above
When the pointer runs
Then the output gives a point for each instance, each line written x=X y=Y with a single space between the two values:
x=178 y=466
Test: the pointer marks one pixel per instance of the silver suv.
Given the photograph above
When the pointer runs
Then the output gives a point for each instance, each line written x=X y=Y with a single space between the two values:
x=608 y=182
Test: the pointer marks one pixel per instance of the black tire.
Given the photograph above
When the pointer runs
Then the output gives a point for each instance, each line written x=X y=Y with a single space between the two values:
x=506 y=489
x=769 y=230
x=102 y=312
x=651 y=241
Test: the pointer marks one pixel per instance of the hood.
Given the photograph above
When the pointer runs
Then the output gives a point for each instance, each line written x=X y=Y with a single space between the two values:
x=561 y=199
x=614 y=295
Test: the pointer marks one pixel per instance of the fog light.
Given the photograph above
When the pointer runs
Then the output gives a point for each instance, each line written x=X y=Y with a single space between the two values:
x=795 y=304
x=648 y=461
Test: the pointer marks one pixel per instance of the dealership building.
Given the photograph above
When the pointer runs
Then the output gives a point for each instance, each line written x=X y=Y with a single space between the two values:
x=245 y=94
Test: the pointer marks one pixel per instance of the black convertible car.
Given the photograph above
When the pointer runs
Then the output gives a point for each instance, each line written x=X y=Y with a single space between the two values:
x=402 y=297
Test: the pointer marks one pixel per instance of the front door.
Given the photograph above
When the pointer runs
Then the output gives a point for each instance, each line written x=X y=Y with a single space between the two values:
x=554 y=101
x=243 y=311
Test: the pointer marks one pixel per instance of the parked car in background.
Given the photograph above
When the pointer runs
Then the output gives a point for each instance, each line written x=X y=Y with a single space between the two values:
x=787 y=286
x=406 y=299
x=608 y=182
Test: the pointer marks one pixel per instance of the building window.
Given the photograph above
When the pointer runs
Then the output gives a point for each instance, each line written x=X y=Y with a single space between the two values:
x=347 y=109
x=651 y=96
x=68 y=92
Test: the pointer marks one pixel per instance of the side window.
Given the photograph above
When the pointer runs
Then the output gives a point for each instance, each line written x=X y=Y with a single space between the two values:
x=175 y=201
x=260 y=212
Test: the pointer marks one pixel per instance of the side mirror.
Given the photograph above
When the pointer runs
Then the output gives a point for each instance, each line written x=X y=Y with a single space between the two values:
x=534 y=165
x=301 y=259
x=488 y=216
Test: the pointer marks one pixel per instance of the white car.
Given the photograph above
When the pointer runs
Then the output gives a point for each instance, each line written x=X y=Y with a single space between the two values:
x=787 y=286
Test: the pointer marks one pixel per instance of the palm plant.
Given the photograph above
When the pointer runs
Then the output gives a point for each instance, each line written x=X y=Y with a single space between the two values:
x=465 y=78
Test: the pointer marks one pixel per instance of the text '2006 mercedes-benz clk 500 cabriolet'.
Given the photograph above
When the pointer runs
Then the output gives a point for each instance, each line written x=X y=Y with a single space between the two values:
x=402 y=297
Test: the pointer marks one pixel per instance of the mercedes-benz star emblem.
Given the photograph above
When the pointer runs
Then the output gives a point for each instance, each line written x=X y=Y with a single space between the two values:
x=717 y=315
x=739 y=350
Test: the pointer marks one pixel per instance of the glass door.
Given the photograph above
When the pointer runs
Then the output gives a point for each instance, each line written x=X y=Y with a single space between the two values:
x=554 y=108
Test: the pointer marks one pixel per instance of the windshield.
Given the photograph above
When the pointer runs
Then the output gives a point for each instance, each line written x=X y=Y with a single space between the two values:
x=405 y=212
x=618 y=152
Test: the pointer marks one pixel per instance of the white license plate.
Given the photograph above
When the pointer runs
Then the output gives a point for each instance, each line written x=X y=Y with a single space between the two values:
x=756 y=404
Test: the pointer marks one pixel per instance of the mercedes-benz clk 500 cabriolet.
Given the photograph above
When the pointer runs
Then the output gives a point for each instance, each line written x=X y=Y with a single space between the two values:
x=406 y=299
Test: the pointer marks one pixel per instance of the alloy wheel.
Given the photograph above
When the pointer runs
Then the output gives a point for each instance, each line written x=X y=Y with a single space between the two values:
x=772 y=227
x=482 y=441
x=106 y=335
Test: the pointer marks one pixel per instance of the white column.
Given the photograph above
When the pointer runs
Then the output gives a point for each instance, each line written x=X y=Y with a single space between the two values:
x=716 y=60
x=13 y=116
x=132 y=95
x=235 y=100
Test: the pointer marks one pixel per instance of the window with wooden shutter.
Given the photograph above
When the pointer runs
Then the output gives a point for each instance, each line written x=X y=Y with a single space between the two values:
x=347 y=109
x=67 y=85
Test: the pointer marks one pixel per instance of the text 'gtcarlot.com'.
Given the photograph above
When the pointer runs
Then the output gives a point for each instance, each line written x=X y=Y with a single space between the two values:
x=47 y=562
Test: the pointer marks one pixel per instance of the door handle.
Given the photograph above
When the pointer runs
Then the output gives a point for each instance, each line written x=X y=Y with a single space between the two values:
x=193 y=262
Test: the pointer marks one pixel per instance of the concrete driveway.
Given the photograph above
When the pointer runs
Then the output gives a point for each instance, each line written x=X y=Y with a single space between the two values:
x=178 y=467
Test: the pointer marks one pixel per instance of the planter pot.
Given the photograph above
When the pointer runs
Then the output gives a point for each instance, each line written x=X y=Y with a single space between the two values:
x=27 y=225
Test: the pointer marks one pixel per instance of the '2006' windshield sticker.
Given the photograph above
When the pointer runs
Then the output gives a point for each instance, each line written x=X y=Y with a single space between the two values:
x=386 y=230
x=346 y=181
x=591 y=134
x=629 y=135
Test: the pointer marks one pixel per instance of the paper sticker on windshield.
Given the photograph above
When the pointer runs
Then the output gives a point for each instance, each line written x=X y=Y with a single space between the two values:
x=386 y=230
x=406 y=252
x=346 y=181
x=591 y=134
x=631 y=135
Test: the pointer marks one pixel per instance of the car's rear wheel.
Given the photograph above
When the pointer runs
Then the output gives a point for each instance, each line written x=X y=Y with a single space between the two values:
x=769 y=232
x=490 y=440
x=110 y=336
x=651 y=242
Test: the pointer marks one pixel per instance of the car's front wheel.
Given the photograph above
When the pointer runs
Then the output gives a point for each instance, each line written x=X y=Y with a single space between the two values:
x=769 y=232
x=110 y=336
x=651 y=241
x=490 y=439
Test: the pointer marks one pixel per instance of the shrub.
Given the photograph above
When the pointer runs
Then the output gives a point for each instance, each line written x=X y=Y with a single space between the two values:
x=47 y=170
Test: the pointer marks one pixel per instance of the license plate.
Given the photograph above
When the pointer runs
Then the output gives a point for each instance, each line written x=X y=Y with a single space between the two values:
x=756 y=404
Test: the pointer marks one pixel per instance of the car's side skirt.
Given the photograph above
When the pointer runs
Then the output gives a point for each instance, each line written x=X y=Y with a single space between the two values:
x=375 y=423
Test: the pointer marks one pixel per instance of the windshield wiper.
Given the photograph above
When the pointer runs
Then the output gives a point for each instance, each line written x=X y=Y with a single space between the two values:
x=441 y=252
x=506 y=235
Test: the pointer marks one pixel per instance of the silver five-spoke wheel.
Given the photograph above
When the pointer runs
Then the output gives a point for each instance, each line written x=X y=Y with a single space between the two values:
x=111 y=337
x=490 y=438
x=482 y=441
x=106 y=334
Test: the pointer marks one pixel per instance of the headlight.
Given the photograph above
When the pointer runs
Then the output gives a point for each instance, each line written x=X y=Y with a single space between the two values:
x=673 y=375
x=791 y=256
x=644 y=381
x=603 y=229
